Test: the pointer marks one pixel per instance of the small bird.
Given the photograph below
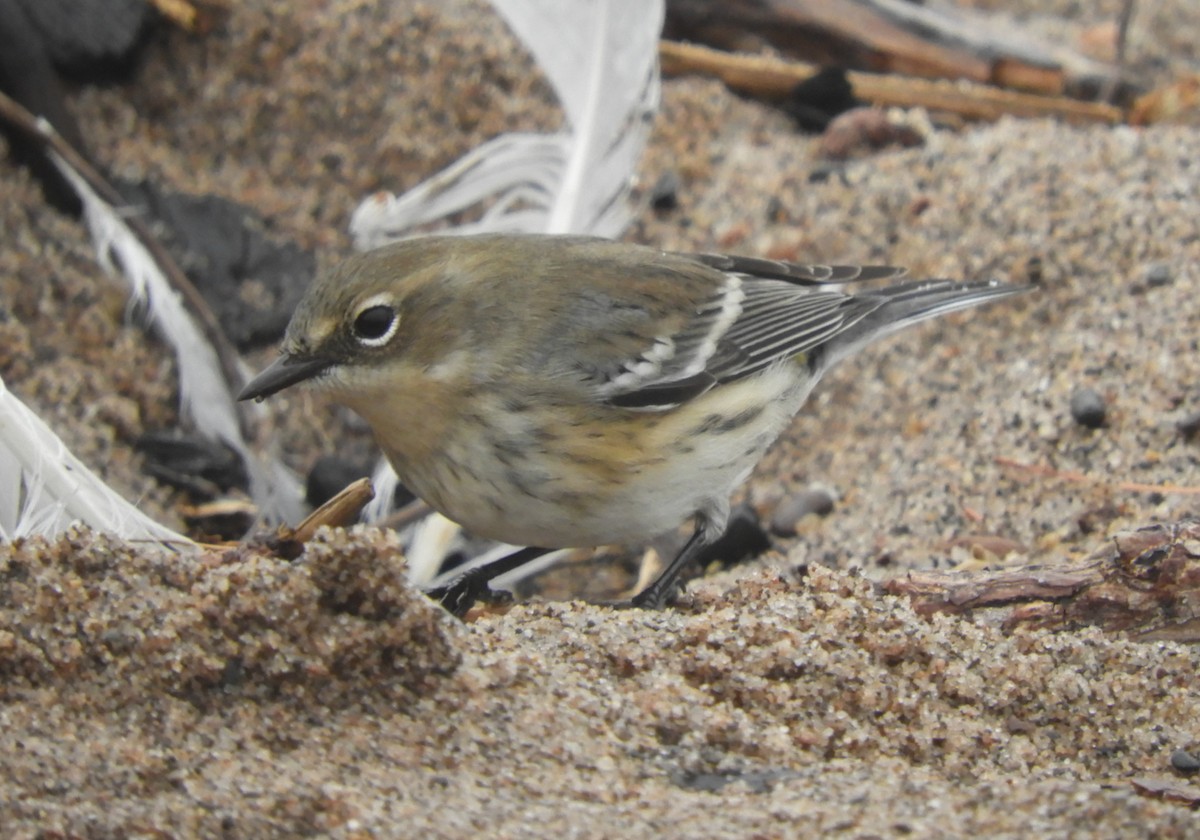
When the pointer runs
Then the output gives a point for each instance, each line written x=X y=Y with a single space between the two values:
x=567 y=391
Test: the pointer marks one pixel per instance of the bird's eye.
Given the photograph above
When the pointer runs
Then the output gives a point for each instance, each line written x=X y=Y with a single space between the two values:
x=375 y=325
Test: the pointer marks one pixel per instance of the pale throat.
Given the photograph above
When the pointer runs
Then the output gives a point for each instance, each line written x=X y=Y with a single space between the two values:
x=409 y=411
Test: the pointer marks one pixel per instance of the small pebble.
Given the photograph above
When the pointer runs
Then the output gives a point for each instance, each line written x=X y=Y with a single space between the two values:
x=1088 y=408
x=329 y=476
x=744 y=539
x=1158 y=274
x=1034 y=270
x=776 y=211
x=822 y=172
x=785 y=521
x=664 y=195
x=1185 y=762
x=862 y=131
x=1189 y=425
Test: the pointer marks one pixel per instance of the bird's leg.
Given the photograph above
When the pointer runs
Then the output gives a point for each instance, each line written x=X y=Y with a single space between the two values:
x=656 y=595
x=460 y=594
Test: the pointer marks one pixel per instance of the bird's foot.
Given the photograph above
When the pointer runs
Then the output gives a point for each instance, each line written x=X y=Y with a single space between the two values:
x=466 y=590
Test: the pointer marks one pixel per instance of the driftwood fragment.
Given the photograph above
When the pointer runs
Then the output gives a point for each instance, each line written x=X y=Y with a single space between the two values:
x=772 y=79
x=1146 y=586
x=894 y=36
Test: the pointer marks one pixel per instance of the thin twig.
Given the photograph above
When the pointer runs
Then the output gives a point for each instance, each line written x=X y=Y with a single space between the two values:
x=1082 y=478
x=1109 y=93
x=410 y=514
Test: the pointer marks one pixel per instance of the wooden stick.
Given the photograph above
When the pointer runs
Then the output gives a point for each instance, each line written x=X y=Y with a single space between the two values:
x=773 y=79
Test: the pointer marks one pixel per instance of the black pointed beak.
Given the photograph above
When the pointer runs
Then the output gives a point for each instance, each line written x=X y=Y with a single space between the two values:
x=282 y=373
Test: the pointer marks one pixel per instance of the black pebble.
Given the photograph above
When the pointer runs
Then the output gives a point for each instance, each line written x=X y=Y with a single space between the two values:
x=814 y=102
x=1088 y=408
x=744 y=539
x=664 y=195
x=220 y=245
x=1158 y=274
x=191 y=462
x=1189 y=425
x=330 y=475
x=1185 y=762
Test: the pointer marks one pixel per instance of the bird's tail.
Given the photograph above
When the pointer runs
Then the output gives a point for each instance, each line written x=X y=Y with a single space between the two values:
x=907 y=304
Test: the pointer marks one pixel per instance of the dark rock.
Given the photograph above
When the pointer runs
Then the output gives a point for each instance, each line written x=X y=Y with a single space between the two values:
x=329 y=476
x=664 y=195
x=1088 y=408
x=1185 y=762
x=744 y=539
x=814 y=102
x=203 y=467
x=251 y=282
x=1189 y=425
x=1158 y=274
x=87 y=38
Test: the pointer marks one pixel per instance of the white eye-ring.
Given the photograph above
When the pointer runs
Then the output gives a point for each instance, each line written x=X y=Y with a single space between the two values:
x=376 y=322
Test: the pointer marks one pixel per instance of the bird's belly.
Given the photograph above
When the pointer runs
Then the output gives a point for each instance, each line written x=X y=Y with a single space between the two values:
x=552 y=497
x=587 y=477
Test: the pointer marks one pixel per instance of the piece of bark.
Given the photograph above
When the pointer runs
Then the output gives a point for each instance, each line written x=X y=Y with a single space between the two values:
x=772 y=79
x=1146 y=586
x=894 y=36
x=1168 y=790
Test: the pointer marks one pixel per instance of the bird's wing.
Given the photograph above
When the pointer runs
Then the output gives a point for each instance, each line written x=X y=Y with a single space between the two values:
x=703 y=319
x=797 y=273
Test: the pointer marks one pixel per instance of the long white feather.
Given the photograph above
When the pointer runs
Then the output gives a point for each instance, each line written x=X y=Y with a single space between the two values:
x=44 y=489
x=601 y=58
x=205 y=396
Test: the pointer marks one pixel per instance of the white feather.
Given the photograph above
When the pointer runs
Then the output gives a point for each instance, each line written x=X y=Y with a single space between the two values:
x=432 y=539
x=44 y=489
x=601 y=58
x=205 y=396
x=522 y=169
x=385 y=481
x=497 y=552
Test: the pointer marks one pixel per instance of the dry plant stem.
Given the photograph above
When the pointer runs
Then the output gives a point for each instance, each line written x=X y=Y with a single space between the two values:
x=1082 y=478
x=773 y=79
x=1108 y=92
x=16 y=116
x=889 y=36
x=1146 y=586
x=340 y=511
x=410 y=514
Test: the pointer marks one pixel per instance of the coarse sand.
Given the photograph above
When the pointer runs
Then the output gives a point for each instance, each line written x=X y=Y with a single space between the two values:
x=232 y=693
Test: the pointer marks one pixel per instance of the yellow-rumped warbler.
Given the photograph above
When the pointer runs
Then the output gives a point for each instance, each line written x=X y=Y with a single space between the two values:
x=562 y=391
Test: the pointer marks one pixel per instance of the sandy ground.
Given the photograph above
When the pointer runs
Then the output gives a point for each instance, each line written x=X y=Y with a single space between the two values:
x=150 y=694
